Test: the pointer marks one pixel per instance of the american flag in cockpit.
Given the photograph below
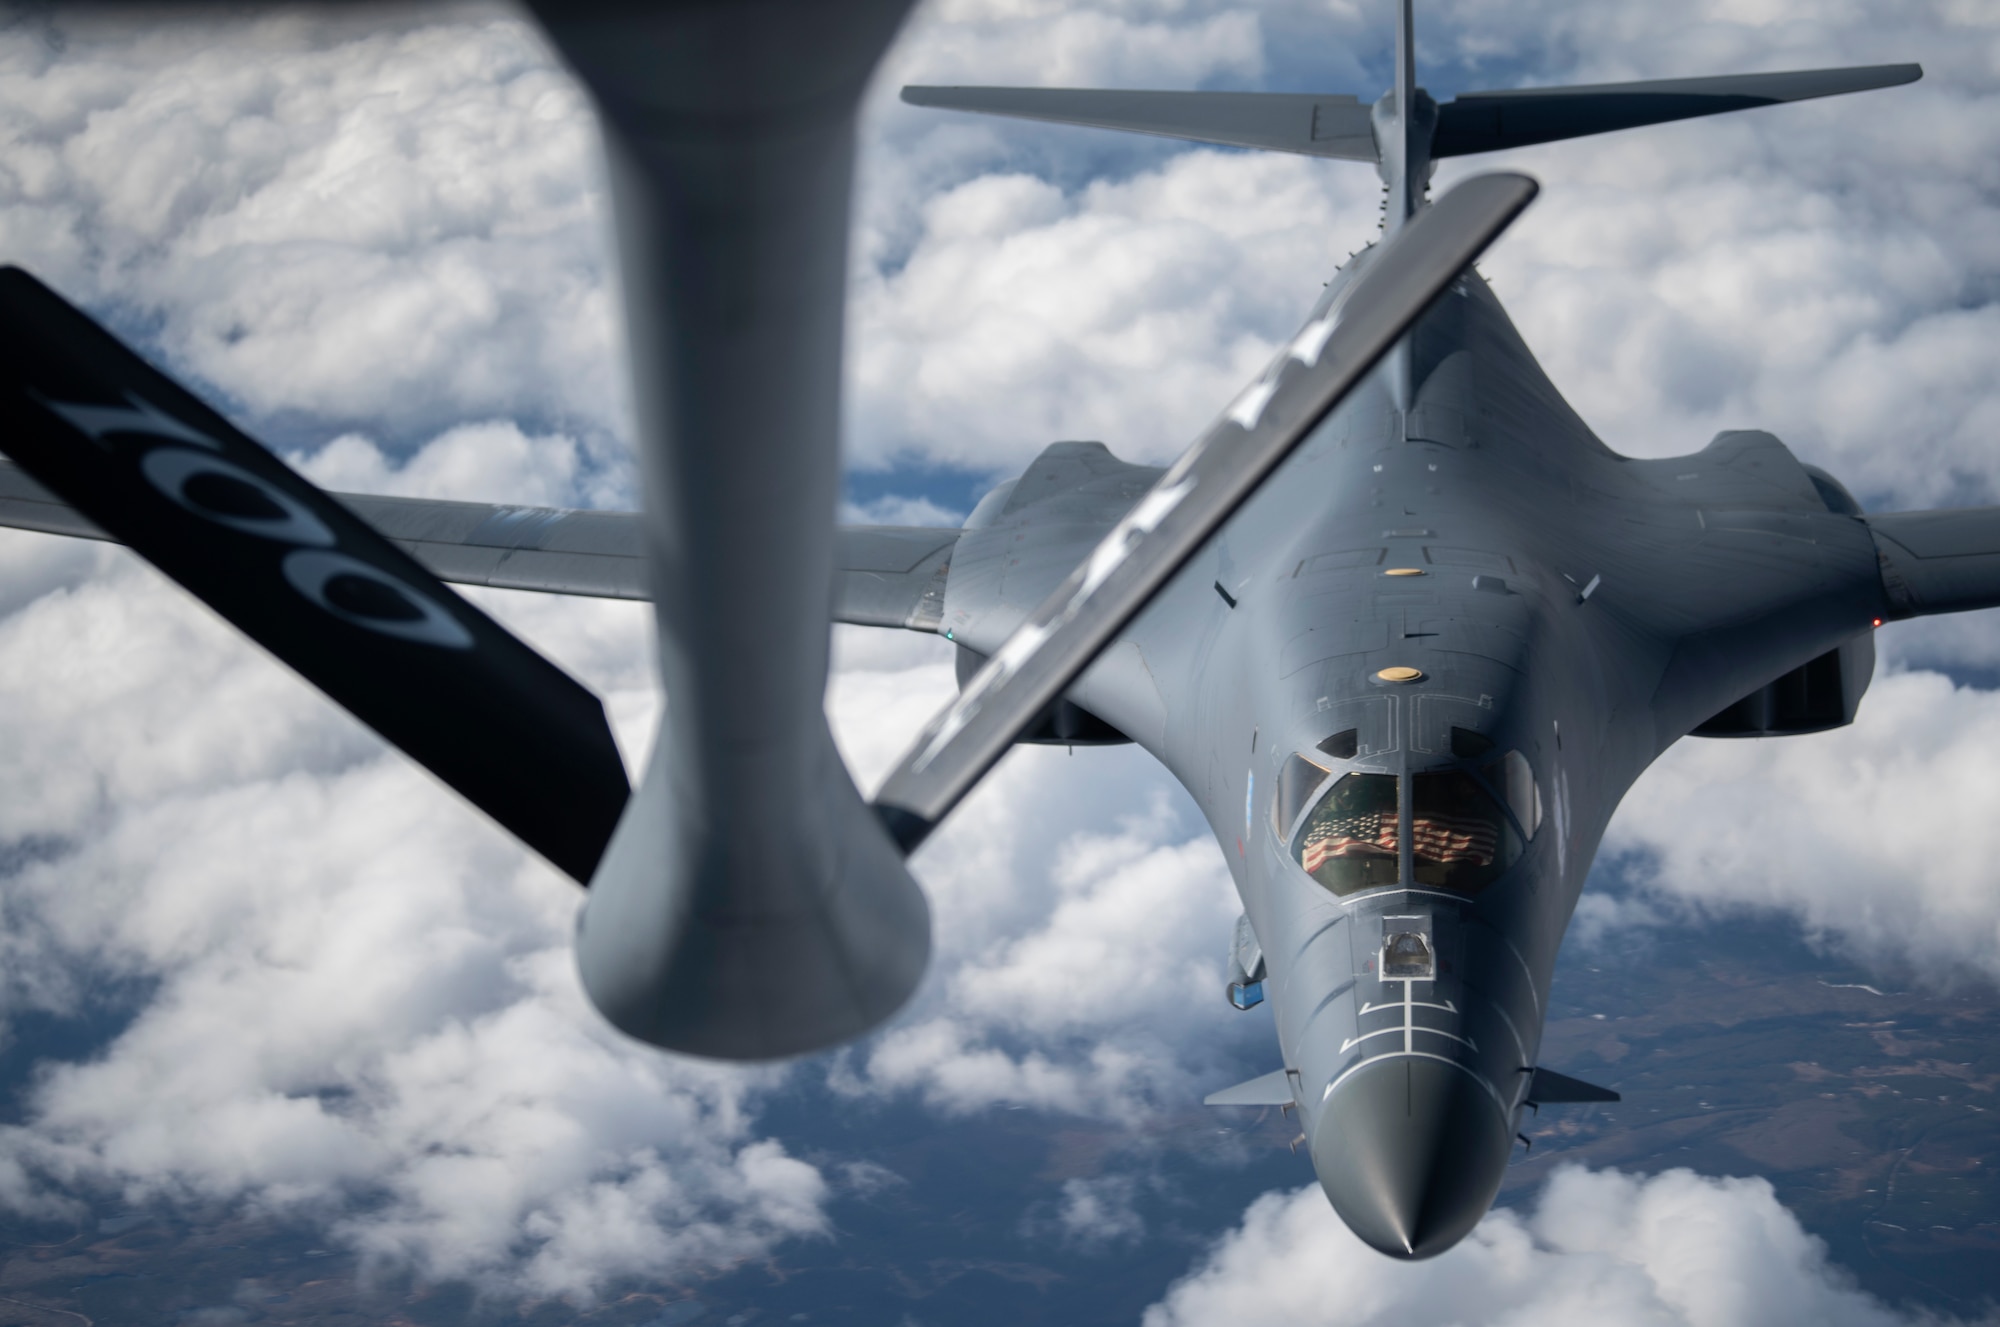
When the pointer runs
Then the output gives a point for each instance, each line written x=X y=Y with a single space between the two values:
x=1454 y=839
x=1363 y=834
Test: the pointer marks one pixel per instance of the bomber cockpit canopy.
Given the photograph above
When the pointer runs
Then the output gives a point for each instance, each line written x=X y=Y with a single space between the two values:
x=1468 y=824
x=1349 y=842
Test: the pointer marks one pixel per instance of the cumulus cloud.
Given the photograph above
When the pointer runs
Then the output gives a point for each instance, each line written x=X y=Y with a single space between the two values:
x=493 y=461
x=899 y=509
x=1824 y=271
x=1096 y=1213
x=1823 y=826
x=359 y=1004
x=389 y=218
x=1116 y=44
x=1081 y=918
x=1127 y=312
x=1600 y=1246
x=914 y=154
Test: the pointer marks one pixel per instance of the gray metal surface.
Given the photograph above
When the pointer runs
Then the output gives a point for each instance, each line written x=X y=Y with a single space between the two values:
x=1453 y=576
x=883 y=575
x=749 y=905
x=1519 y=117
x=1550 y=1088
x=26 y=505
x=515 y=548
x=1409 y=1153
x=1939 y=561
x=1343 y=127
x=1272 y=1089
x=1714 y=575
x=1313 y=126
x=1031 y=669
x=1403 y=120
x=891 y=576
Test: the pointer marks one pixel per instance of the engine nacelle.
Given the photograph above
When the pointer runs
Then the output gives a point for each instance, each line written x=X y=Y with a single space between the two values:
x=1820 y=694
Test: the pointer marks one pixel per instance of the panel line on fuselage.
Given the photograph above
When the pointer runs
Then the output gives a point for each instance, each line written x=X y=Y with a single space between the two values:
x=1330 y=996
x=1499 y=1007
x=1409 y=1005
x=1369 y=1062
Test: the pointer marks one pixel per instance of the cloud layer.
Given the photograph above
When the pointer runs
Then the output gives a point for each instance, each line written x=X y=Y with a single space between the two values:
x=1824 y=271
x=358 y=1001
x=378 y=218
x=1081 y=918
x=345 y=995
x=1877 y=837
x=1675 y=1249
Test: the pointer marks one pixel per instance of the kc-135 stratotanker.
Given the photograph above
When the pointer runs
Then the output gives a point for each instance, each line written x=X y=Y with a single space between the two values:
x=1399 y=622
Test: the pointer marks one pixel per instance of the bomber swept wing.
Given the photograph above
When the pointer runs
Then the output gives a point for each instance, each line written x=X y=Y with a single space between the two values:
x=883 y=575
x=894 y=575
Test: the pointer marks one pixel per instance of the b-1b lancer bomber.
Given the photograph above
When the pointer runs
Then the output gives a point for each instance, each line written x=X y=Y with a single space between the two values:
x=1404 y=628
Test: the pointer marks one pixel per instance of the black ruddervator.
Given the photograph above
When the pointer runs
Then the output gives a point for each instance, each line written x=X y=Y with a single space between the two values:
x=306 y=579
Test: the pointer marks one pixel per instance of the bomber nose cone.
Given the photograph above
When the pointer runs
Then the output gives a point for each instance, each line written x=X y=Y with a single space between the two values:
x=1411 y=1152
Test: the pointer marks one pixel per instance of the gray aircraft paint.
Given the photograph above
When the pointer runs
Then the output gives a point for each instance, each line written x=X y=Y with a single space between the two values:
x=883 y=575
x=1715 y=574
x=749 y=904
x=1557 y=599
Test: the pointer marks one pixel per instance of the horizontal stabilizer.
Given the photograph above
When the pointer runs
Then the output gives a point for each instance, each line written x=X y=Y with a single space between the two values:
x=1272 y=1089
x=1067 y=631
x=1329 y=126
x=148 y=464
x=1550 y=1088
x=1490 y=121
x=1340 y=126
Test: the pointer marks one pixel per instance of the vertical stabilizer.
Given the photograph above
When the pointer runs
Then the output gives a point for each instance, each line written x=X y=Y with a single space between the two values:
x=1405 y=120
x=1406 y=50
x=1405 y=130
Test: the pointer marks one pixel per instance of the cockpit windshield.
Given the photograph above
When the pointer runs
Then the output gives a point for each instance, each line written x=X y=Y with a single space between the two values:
x=1460 y=839
x=1466 y=829
x=1348 y=843
x=1297 y=782
x=1512 y=779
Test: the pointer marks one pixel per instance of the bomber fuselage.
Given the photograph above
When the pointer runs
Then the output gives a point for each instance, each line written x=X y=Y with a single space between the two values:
x=1409 y=684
